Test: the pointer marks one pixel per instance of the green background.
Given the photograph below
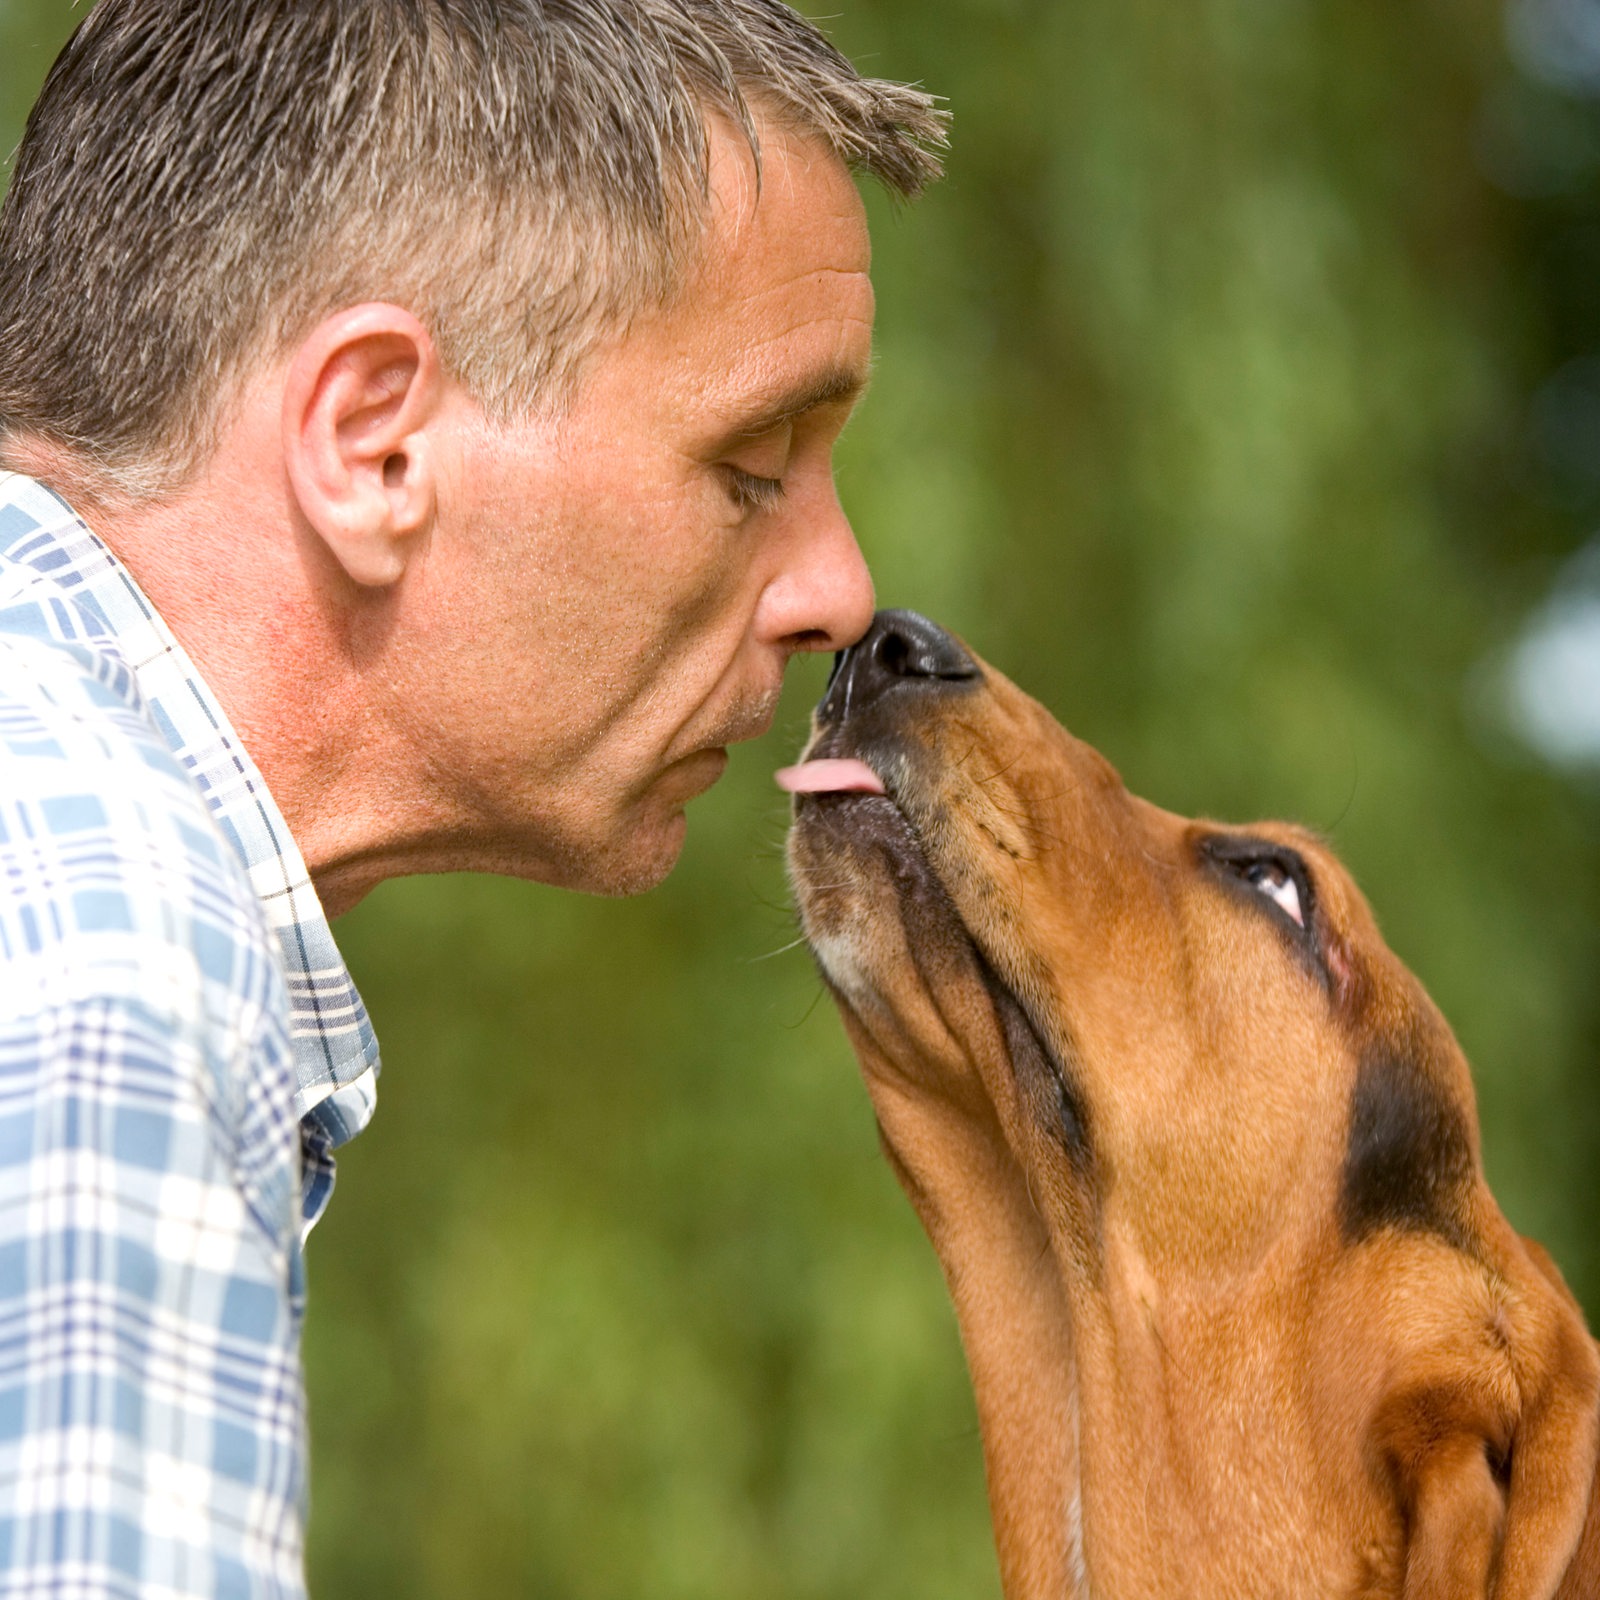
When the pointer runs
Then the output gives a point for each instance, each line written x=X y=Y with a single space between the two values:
x=1214 y=405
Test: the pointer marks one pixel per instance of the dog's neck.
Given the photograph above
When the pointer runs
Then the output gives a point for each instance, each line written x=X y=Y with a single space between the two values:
x=1207 y=1473
x=1099 y=1367
x=1010 y=1302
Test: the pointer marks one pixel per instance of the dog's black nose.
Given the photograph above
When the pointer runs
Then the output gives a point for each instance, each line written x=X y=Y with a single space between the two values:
x=900 y=649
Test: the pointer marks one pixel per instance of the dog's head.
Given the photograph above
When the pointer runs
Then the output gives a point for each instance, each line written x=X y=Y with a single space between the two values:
x=1200 y=1160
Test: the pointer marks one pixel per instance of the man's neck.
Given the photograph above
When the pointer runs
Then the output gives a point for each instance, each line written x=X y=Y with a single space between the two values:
x=252 y=600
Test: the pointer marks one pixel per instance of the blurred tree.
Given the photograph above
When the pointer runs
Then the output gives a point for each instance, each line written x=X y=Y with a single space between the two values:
x=1202 y=410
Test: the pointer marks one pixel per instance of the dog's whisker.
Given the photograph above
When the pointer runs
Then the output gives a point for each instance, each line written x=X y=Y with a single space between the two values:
x=805 y=1016
x=784 y=908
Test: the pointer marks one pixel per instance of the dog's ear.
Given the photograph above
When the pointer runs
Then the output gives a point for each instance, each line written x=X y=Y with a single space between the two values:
x=1493 y=1463
x=1486 y=1415
x=1568 y=1418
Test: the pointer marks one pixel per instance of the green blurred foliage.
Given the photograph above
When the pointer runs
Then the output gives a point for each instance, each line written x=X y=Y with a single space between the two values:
x=1200 y=410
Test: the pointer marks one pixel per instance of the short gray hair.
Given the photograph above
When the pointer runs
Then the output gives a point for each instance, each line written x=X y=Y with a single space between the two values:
x=201 y=181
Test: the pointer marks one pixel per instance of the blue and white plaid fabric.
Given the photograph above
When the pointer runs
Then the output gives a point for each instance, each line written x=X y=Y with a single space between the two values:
x=180 y=1049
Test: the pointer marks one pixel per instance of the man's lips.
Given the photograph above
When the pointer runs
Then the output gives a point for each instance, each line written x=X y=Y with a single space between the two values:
x=830 y=777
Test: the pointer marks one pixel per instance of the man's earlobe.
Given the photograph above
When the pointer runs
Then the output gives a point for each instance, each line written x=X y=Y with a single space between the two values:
x=359 y=397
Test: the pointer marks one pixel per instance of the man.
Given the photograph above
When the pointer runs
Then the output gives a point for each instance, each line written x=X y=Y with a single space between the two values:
x=421 y=414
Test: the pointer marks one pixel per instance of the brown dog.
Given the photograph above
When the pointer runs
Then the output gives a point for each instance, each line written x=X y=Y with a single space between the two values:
x=1200 y=1160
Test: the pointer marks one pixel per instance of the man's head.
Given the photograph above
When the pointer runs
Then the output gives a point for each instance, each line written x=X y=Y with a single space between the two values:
x=461 y=379
x=202 y=181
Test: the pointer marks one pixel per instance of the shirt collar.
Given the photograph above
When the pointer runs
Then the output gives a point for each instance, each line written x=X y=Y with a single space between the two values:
x=335 y=1049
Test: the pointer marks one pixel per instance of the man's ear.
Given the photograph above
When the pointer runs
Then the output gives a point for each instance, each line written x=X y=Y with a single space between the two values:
x=358 y=396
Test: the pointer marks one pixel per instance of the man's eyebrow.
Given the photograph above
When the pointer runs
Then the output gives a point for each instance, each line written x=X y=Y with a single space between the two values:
x=827 y=387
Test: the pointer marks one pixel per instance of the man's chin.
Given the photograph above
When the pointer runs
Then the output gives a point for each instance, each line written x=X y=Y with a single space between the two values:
x=653 y=841
x=640 y=842
x=641 y=862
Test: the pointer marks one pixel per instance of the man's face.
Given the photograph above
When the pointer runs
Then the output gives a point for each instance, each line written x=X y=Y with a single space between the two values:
x=612 y=593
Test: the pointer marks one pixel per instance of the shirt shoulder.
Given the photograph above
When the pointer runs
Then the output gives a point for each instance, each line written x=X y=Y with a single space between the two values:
x=94 y=805
x=118 y=886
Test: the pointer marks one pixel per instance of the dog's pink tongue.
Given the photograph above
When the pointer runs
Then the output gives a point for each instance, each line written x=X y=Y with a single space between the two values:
x=830 y=777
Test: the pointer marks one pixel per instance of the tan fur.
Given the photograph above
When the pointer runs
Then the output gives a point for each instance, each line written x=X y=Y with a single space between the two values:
x=1195 y=1375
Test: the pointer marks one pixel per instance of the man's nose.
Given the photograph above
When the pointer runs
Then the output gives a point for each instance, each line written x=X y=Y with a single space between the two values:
x=824 y=600
x=901 y=652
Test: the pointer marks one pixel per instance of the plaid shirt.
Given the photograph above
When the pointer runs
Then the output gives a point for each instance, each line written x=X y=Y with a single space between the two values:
x=180 y=1049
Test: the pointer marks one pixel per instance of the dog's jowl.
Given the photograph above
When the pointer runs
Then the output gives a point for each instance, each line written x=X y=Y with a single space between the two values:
x=1200 y=1161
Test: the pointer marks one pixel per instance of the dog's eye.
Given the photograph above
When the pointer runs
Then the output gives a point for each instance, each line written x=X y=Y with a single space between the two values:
x=1272 y=870
x=1273 y=879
